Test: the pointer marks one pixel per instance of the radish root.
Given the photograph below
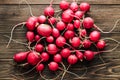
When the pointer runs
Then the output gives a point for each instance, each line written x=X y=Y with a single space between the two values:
x=115 y=25
x=23 y=23
x=30 y=9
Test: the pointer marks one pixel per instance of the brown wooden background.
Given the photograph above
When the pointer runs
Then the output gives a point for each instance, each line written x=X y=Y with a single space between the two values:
x=104 y=12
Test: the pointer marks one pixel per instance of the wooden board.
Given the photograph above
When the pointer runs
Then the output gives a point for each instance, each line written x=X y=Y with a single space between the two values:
x=57 y=1
x=104 y=12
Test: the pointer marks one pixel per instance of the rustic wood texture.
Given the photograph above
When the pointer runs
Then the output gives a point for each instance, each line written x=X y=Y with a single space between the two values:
x=57 y=1
x=104 y=12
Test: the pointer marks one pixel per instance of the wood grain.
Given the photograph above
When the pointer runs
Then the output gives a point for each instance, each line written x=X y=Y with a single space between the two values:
x=57 y=1
x=104 y=12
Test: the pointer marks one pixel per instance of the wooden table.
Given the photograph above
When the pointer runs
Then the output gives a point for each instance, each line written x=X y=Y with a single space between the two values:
x=104 y=12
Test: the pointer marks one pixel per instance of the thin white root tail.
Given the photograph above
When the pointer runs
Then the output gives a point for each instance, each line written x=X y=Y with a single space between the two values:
x=30 y=9
x=11 y=35
x=118 y=43
x=115 y=25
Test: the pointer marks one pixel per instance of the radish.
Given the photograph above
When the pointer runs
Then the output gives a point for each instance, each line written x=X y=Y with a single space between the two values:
x=89 y=55
x=67 y=16
x=64 y=5
x=52 y=20
x=79 y=55
x=33 y=58
x=40 y=67
x=83 y=33
x=49 y=11
x=77 y=24
x=20 y=57
x=57 y=58
x=50 y=39
x=72 y=59
x=86 y=43
x=60 y=25
x=75 y=42
x=69 y=34
x=55 y=32
x=74 y=6
x=39 y=48
x=31 y=23
x=79 y=14
x=30 y=36
x=94 y=36
x=100 y=44
x=42 y=19
x=45 y=56
x=52 y=49
x=37 y=37
x=44 y=30
x=88 y=23
x=84 y=6
x=60 y=41
x=65 y=52
x=70 y=26
x=53 y=66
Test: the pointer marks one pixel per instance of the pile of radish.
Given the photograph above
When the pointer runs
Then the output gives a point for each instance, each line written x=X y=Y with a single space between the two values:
x=70 y=36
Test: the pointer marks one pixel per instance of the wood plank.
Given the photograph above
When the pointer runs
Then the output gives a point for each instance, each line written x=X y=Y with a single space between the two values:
x=58 y=1
x=8 y=52
x=105 y=72
x=102 y=14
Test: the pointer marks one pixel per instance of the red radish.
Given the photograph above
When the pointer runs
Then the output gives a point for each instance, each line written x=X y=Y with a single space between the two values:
x=44 y=30
x=31 y=23
x=45 y=56
x=37 y=37
x=42 y=19
x=67 y=16
x=20 y=57
x=79 y=14
x=52 y=49
x=74 y=6
x=83 y=33
x=39 y=48
x=70 y=26
x=88 y=23
x=60 y=41
x=52 y=20
x=40 y=67
x=77 y=24
x=64 y=5
x=50 y=39
x=79 y=55
x=30 y=36
x=65 y=52
x=89 y=55
x=53 y=66
x=57 y=58
x=84 y=6
x=69 y=34
x=49 y=11
x=60 y=25
x=100 y=44
x=94 y=36
x=75 y=42
x=55 y=32
x=33 y=58
x=86 y=43
x=72 y=59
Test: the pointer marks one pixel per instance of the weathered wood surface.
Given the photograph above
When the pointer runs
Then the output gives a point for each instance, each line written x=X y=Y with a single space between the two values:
x=57 y=1
x=104 y=12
